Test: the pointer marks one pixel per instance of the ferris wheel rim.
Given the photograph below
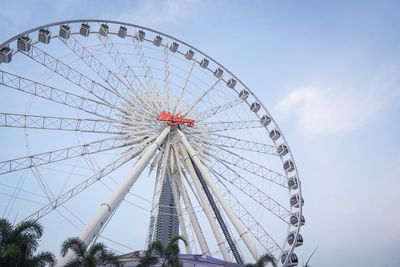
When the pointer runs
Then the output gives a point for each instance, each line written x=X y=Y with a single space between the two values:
x=195 y=49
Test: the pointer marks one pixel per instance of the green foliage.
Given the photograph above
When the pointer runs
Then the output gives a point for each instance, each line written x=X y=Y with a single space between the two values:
x=87 y=257
x=264 y=260
x=18 y=243
x=168 y=255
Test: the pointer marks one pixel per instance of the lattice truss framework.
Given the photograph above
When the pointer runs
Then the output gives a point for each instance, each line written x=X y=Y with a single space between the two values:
x=101 y=86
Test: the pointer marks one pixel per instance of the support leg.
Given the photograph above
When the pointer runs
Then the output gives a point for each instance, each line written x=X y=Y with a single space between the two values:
x=204 y=203
x=107 y=208
x=245 y=235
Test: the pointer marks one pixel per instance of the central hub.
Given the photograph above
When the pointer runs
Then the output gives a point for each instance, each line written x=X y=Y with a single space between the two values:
x=174 y=120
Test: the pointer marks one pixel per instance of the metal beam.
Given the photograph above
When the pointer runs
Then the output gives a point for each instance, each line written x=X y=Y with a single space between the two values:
x=13 y=120
x=203 y=201
x=48 y=157
x=105 y=211
x=57 y=95
x=243 y=233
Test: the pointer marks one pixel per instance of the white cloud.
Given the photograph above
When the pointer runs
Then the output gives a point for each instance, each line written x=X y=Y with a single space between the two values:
x=320 y=110
x=160 y=12
x=340 y=108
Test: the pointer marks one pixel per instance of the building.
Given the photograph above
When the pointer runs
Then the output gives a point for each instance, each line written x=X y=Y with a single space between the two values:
x=188 y=260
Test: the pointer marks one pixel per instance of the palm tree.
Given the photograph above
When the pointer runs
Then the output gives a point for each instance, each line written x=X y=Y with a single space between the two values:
x=18 y=243
x=168 y=254
x=312 y=254
x=264 y=260
x=87 y=257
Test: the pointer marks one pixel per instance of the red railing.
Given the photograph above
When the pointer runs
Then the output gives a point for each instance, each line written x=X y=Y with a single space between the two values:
x=174 y=120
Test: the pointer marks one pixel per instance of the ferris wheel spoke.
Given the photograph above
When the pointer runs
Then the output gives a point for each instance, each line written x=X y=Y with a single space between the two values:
x=155 y=202
x=182 y=224
x=182 y=93
x=201 y=170
x=132 y=78
x=167 y=73
x=114 y=84
x=106 y=95
x=141 y=134
x=151 y=85
x=61 y=154
x=248 y=220
x=62 y=199
x=139 y=114
x=206 y=114
x=138 y=127
x=56 y=95
x=220 y=126
x=150 y=90
x=140 y=108
x=132 y=125
x=108 y=208
x=13 y=120
x=222 y=170
x=225 y=141
x=229 y=157
x=192 y=214
x=200 y=98
x=118 y=86
x=201 y=198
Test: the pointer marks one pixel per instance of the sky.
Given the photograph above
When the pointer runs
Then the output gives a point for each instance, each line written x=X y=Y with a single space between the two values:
x=328 y=71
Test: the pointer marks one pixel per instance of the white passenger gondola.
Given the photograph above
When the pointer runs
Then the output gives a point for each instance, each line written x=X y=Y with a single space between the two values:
x=44 y=36
x=295 y=201
x=288 y=166
x=5 y=55
x=65 y=31
x=274 y=134
x=157 y=40
x=292 y=261
x=24 y=43
x=174 y=47
x=103 y=31
x=204 y=63
x=189 y=54
x=282 y=150
x=255 y=107
x=292 y=183
x=141 y=35
x=231 y=83
x=291 y=239
x=294 y=219
x=84 y=30
x=122 y=32
x=244 y=94
x=265 y=120
x=218 y=72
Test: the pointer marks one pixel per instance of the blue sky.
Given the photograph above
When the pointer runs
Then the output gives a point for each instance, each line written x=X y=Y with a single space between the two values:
x=329 y=74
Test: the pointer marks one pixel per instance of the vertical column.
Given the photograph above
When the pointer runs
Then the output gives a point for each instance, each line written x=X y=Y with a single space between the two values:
x=243 y=233
x=204 y=203
x=91 y=230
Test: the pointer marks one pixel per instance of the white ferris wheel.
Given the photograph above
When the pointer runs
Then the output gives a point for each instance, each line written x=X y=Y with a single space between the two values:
x=91 y=106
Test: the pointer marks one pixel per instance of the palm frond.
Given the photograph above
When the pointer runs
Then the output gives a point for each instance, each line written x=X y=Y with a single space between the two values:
x=11 y=255
x=5 y=228
x=74 y=263
x=156 y=246
x=96 y=249
x=75 y=244
x=29 y=227
x=42 y=258
x=176 y=238
x=108 y=257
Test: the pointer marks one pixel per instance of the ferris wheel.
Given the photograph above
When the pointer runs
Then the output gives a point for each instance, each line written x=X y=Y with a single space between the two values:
x=91 y=106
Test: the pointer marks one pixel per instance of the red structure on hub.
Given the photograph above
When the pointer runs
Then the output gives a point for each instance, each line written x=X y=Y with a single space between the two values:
x=174 y=120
